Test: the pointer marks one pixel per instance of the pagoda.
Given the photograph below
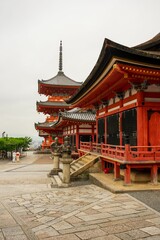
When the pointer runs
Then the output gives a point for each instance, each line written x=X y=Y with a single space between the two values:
x=57 y=89
x=124 y=89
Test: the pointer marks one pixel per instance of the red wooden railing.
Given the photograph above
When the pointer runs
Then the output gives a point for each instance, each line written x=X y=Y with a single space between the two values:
x=127 y=152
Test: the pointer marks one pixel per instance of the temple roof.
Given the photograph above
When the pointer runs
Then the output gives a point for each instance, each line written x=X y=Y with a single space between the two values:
x=60 y=79
x=151 y=45
x=110 y=54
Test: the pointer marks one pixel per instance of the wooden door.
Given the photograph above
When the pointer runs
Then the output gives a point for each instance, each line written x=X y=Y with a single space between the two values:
x=154 y=128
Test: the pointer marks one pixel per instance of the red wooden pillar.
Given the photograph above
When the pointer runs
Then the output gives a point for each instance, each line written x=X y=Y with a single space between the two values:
x=116 y=171
x=92 y=133
x=127 y=175
x=127 y=152
x=120 y=128
x=77 y=137
x=97 y=128
x=154 y=175
x=140 y=119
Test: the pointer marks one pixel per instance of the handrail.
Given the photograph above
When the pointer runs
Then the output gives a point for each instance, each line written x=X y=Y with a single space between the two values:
x=127 y=152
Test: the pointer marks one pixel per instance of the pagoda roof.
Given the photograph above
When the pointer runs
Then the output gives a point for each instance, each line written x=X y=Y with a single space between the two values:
x=53 y=104
x=60 y=80
x=111 y=54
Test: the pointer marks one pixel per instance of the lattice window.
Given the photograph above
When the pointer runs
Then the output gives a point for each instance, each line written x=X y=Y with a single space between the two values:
x=129 y=126
x=113 y=136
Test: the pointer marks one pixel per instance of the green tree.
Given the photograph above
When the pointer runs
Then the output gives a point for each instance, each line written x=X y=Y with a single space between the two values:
x=9 y=144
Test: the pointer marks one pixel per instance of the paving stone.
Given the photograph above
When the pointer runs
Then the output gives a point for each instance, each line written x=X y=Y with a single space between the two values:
x=65 y=237
x=116 y=228
x=111 y=209
x=108 y=237
x=6 y=220
x=91 y=234
x=124 y=212
x=40 y=227
x=95 y=216
x=45 y=233
x=151 y=238
x=151 y=230
x=78 y=229
x=73 y=220
x=124 y=236
x=136 y=234
x=138 y=224
x=154 y=220
x=12 y=231
x=1 y=236
x=17 y=237
x=62 y=225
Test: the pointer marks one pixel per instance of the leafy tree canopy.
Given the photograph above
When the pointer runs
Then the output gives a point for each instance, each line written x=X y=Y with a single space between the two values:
x=10 y=143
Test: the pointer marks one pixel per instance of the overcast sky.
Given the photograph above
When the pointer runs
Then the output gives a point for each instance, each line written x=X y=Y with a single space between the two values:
x=30 y=32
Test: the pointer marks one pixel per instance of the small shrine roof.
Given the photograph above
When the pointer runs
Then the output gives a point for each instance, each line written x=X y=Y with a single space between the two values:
x=75 y=114
x=87 y=116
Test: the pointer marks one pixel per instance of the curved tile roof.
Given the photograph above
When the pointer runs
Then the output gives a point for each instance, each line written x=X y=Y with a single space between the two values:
x=87 y=116
x=61 y=79
x=53 y=103
x=117 y=52
x=151 y=45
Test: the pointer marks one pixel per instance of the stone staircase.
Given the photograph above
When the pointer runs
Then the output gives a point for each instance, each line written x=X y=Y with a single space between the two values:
x=77 y=167
x=82 y=164
x=56 y=181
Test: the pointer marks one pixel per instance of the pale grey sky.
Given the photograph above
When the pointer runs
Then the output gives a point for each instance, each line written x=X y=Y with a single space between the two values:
x=30 y=32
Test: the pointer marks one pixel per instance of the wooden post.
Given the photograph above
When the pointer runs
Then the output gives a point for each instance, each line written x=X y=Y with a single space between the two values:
x=127 y=175
x=77 y=137
x=154 y=176
x=116 y=171
x=127 y=152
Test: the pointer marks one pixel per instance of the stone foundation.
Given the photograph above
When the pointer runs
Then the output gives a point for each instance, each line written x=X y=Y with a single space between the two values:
x=140 y=176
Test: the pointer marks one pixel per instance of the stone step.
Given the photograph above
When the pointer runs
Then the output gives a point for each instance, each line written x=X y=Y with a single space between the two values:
x=81 y=162
x=53 y=182
x=60 y=174
x=72 y=170
x=56 y=182
x=75 y=167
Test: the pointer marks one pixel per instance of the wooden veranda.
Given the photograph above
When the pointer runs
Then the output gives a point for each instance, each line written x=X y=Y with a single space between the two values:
x=125 y=157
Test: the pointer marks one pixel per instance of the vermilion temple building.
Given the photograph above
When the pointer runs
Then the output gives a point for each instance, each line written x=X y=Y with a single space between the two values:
x=124 y=89
x=57 y=89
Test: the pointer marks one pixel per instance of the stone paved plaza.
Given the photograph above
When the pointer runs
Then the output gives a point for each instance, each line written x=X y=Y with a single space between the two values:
x=31 y=209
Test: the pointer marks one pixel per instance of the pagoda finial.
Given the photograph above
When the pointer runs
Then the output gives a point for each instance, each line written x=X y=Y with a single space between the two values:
x=60 y=57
